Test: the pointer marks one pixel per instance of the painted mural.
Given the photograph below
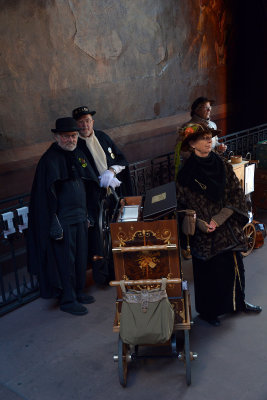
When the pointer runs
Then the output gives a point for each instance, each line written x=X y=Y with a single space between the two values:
x=212 y=32
x=131 y=61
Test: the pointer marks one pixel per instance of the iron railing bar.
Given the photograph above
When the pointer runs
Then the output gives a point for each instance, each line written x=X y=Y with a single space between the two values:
x=15 y=268
x=13 y=304
x=2 y=286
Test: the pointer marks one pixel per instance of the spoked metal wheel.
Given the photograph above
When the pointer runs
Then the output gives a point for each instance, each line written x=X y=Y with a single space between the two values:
x=122 y=362
x=250 y=234
x=187 y=357
x=174 y=344
x=104 y=228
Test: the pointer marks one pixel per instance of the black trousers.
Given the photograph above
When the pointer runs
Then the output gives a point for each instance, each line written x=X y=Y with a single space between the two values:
x=71 y=259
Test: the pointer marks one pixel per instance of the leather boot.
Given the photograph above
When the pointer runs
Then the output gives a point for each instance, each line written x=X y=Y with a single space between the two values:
x=74 y=308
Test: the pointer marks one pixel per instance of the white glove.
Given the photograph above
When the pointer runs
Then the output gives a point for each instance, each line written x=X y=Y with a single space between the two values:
x=118 y=168
x=106 y=178
x=115 y=183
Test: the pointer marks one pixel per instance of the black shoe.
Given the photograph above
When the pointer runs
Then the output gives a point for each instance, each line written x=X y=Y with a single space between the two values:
x=251 y=308
x=74 y=308
x=211 y=320
x=85 y=299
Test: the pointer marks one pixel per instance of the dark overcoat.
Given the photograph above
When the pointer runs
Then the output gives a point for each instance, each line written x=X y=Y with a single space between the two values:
x=114 y=157
x=219 y=276
x=228 y=236
x=53 y=166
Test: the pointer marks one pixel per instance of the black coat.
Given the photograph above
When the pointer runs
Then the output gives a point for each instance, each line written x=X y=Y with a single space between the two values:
x=53 y=166
x=209 y=186
x=106 y=143
x=229 y=235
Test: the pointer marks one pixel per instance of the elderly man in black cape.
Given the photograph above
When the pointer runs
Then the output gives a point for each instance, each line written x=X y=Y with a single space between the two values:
x=63 y=202
x=111 y=167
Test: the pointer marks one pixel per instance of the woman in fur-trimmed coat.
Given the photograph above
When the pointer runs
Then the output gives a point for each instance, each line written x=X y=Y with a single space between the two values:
x=208 y=185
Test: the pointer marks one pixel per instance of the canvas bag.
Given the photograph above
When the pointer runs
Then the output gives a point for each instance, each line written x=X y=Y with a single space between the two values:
x=147 y=316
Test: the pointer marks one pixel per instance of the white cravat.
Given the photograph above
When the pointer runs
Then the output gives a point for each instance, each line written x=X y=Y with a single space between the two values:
x=99 y=155
x=97 y=152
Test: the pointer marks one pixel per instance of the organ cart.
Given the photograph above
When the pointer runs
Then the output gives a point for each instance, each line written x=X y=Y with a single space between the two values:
x=145 y=246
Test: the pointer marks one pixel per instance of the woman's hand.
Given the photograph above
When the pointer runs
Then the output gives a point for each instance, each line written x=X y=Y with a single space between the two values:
x=212 y=226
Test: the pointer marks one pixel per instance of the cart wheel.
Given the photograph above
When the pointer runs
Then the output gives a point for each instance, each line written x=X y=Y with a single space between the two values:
x=104 y=228
x=250 y=234
x=122 y=362
x=174 y=344
x=187 y=357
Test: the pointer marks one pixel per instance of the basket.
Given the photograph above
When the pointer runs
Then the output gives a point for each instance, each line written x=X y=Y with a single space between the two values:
x=236 y=159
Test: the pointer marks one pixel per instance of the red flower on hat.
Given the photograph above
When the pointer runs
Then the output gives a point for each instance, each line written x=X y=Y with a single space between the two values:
x=192 y=128
x=189 y=130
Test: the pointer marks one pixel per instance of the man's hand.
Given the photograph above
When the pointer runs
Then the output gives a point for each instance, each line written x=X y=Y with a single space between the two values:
x=115 y=183
x=56 y=231
x=106 y=178
x=90 y=222
x=221 y=148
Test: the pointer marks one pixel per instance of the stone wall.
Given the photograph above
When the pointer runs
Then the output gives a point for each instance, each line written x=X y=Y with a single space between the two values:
x=139 y=64
x=128 y=60
x=138 y=141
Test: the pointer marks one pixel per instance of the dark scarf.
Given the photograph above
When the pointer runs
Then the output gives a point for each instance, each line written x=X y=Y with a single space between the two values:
x=204 y=175
x=73 y=165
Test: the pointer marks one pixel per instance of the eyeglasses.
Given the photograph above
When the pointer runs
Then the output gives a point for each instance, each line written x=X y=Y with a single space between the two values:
x=208 y=108
x=207 y=138
x=85 y=120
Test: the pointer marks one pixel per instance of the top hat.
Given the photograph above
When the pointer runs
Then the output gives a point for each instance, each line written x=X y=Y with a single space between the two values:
x=78 y=112
x=67 y=124
x=198 y=101
x=192 y=132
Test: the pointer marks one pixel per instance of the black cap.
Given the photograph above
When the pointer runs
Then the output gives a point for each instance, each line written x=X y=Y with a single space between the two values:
x=78 y=112
x=67 y=124
x=199 y=101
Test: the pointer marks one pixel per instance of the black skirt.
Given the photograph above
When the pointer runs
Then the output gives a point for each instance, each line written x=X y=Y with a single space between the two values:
x=219 y=284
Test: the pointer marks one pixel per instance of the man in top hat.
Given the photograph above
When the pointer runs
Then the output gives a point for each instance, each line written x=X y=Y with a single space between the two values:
x=62 y=206
x=111 y=167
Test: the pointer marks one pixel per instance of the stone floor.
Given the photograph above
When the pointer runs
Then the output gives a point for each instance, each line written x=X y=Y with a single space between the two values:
x=46 y=354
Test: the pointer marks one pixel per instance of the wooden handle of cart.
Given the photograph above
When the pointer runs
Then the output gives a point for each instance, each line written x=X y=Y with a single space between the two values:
x=146 y=282
x=144 y=248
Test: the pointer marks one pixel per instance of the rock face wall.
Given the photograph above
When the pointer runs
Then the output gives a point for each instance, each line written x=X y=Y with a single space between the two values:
x=128 y=60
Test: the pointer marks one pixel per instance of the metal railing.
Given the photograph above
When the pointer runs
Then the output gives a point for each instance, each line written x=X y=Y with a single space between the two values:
x=18 y=287
x=243 y=142
x=157 y=171
x=153 y=172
